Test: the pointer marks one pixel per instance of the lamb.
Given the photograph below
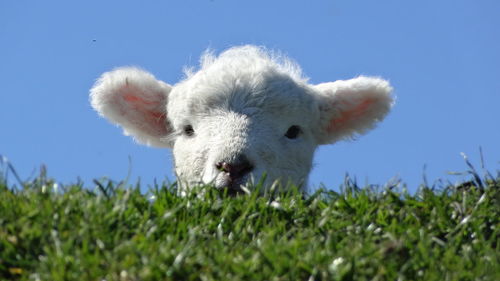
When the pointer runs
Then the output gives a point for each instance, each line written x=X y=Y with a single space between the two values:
x=245 y=113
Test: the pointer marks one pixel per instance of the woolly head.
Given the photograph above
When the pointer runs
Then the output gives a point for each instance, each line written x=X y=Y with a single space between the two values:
x=244 y=113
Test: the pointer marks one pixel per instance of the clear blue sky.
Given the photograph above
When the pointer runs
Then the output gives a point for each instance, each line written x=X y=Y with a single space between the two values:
x=442 y=57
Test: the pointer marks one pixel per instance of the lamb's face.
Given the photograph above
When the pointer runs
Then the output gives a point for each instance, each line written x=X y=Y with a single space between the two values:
x=243 y=114
x=248 y=126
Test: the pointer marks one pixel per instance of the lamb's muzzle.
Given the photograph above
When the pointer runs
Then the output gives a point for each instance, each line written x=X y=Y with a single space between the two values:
x=235 y=172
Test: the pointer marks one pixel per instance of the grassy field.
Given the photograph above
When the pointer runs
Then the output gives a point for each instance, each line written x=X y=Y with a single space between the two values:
x=108 y=232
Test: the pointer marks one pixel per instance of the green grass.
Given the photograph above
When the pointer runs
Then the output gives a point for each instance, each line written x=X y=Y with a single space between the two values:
x=50 y=232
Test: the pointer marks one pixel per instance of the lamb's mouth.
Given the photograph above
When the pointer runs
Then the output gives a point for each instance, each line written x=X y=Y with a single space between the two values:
x=234 y=187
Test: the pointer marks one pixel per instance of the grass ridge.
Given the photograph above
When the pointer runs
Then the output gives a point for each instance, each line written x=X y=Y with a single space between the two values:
x=53 y=232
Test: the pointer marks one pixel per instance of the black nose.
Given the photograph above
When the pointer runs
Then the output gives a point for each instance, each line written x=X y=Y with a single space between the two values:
x=235 y=169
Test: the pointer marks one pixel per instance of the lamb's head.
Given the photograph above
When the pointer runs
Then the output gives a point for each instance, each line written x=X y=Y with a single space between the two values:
x=244 y=114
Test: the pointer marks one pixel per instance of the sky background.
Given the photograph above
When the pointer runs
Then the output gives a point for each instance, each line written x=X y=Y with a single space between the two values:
x=442 y=58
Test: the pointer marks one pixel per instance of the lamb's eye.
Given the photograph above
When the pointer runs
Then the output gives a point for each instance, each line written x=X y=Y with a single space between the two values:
x=188 y=130
x=293 y=132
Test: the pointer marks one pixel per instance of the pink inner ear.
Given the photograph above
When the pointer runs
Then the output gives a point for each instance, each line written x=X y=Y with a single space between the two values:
x=148 y=114
x=159 y=121
x=345 y=117
x=132 y=99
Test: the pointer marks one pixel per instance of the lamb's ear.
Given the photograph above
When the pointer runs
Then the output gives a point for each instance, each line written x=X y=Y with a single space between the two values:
x=135 y=100
x=351 y=107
